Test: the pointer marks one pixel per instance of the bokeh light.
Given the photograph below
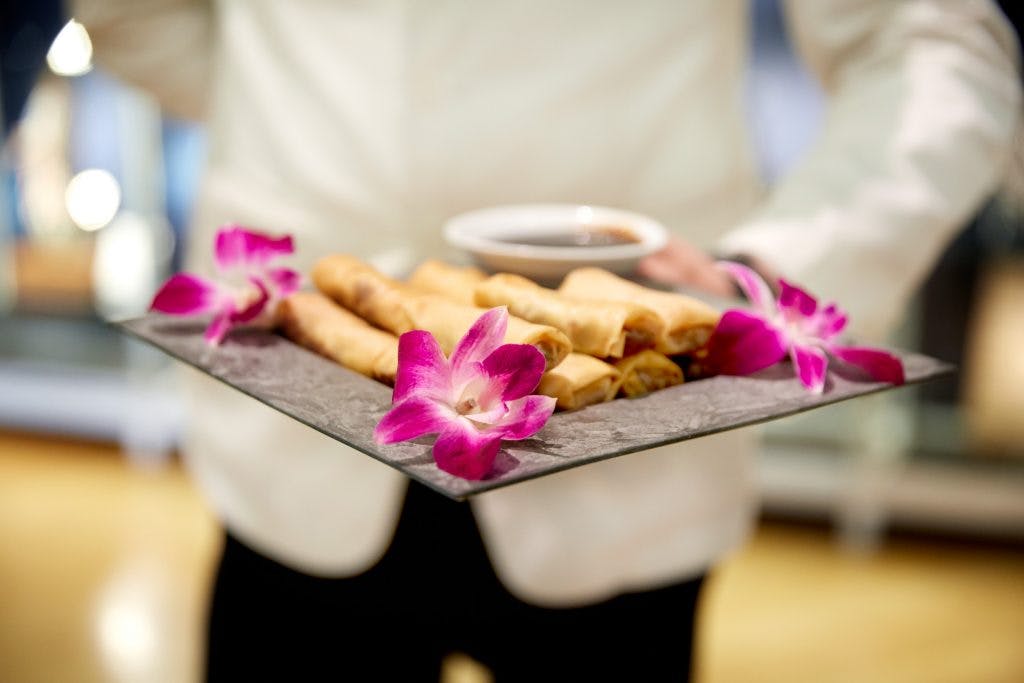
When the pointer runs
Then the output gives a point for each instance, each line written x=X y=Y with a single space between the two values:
x=92 y=199
x=71 y=51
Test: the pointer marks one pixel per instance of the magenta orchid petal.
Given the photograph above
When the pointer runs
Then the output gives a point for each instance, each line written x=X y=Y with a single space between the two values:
x=422 y=368
x=185 y=294
x=485 y=335
x=411 y=419
x=219 y=327
x=811 y=364
x=880 y=365
x=235 y=246
x=794 y=303
x=830 y=322
x=753 y=285
x=284 y=280
x=518 y=368
x=743 y=343
x=463 y=450
x=525 y=417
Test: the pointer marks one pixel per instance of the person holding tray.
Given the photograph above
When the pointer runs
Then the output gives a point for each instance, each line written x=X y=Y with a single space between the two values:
x=359 y=127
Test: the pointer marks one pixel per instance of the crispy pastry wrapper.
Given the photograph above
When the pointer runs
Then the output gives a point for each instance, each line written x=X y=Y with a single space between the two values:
x=579 y=381
x=647 y=371
x=606 y=329
x=454 y=282
x=364 y=290
x=449 y=321
x=399 y=308
x=312 y=320
x=688 y=322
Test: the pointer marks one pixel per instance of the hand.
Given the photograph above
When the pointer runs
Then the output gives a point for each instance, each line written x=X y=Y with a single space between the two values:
x=683 y=264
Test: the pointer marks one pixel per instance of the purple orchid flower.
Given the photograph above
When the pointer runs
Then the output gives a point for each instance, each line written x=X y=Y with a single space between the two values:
x=249 y=286
x=472 y=400
x=747 y=341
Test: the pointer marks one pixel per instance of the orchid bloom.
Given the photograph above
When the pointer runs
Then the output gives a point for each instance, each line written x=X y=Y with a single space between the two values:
x=748 y=341
x=472 y=400
x=248 y=287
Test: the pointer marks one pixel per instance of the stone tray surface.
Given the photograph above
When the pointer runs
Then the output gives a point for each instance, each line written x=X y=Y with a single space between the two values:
x=345 y=405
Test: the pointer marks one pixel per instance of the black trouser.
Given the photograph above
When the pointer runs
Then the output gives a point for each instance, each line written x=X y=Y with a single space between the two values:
x=434 y=592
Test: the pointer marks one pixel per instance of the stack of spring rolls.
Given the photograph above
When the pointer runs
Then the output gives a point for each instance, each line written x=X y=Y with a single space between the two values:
x=601 y=336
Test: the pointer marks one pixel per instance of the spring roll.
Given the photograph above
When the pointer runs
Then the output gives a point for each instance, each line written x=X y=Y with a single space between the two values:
x=449 y=320
x=647 y=371
x=399 y=308
x=579 y=381
x=446 y=280
x=364 y=290
x=317 y=323
x=688 y=322
x=606 y=329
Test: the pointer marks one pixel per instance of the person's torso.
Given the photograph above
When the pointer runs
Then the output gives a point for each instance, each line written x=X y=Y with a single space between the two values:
x=361 y=125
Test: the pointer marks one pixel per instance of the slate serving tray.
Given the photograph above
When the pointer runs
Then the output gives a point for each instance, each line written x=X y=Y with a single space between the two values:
x=346 y=406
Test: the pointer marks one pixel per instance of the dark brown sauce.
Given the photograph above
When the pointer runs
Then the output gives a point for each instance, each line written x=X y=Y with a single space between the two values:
x=602 y=236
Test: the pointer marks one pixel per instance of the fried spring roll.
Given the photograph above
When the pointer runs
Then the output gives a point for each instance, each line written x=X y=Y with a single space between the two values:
x=447 y=280
x=449 y=320
x=364 y=290
x=399 y=308
x=645 y=372
x=688 y=322
x=579 y=381
x=314 y=321
x=609 y=329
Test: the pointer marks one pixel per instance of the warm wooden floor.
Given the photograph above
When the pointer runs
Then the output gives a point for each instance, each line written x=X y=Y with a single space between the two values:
x=104 y=568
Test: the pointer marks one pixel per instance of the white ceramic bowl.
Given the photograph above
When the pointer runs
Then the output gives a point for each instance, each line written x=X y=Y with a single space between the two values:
x=546 y=241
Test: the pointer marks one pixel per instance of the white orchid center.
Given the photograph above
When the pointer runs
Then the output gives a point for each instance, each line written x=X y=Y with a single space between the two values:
x=473 y=398
x=467 y=406
x=246 y=296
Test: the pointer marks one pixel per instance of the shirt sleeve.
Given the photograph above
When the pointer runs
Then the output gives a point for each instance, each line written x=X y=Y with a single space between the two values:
x=922 y=102
x=161 y=46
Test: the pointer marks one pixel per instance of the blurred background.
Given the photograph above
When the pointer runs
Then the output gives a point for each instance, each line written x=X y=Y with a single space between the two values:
x=892 y=544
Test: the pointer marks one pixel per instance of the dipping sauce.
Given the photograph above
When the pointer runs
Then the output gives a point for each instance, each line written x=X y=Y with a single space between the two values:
x=584 y=236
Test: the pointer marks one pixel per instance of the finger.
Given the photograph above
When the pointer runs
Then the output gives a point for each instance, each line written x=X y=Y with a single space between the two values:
x=699 y=273
x=663 y=269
